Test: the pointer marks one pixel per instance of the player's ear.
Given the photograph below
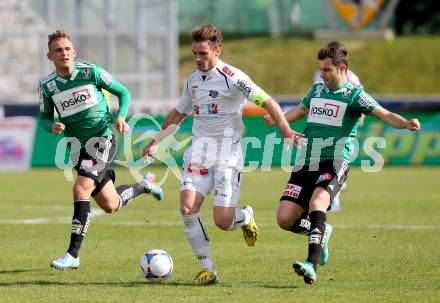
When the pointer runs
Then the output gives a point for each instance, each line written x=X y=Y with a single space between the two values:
x=218 y=51
x=343 y=67
x=49 y=56
x=74 y=53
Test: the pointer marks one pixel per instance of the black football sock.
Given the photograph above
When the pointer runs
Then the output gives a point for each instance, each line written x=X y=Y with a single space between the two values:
x=317 y=229
x=301 y=226
x=80 y=224
x=130 y=191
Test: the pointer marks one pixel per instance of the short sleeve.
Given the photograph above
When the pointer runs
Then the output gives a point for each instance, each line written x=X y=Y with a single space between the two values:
x=184 y=105
x=246 y=88
x=306 y=100
x=364 y=103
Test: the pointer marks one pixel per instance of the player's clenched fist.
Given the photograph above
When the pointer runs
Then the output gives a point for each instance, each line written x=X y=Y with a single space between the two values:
x=58 y=128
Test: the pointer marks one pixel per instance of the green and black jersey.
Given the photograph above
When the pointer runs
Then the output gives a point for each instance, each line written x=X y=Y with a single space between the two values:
x=79 y=101
x=332 y=121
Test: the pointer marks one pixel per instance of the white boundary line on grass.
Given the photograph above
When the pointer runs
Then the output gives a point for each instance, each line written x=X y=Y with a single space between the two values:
x=96 y=212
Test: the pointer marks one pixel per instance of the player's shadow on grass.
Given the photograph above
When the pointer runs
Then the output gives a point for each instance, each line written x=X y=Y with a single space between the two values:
x=125 y=284
x=18 y=271
x=119 y=284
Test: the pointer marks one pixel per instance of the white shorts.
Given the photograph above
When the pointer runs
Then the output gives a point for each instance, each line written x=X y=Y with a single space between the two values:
x=224 y=179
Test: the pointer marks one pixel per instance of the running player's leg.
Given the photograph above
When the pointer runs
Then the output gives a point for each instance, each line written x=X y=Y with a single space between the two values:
x=227 y=216
x=80 y=221
x=293 y=217
x=197 y=235
x=111 y=199
x=196 y=185
x=292 y=214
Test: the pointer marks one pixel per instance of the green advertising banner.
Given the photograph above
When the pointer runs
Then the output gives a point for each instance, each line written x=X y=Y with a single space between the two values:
x=263 y=146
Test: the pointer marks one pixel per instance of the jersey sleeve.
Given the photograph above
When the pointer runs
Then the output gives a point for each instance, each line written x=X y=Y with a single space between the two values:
x=184 y=105
x=306 y=100
x=364 y=103
x=46 y=110
x=105 y=80
x=243 y=86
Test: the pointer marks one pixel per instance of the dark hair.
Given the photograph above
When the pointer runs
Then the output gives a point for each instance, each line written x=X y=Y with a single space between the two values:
x=207 y=32
x=57 y=35
x=335 y=51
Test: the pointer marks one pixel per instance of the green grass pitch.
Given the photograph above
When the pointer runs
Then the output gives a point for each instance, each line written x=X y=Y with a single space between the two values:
x=385 y=246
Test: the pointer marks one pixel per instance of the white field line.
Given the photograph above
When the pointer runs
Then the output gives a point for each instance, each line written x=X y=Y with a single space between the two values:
x=99 y=212
x=95 y=212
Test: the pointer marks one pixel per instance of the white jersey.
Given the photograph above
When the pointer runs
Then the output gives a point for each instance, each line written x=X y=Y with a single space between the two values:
x=216 y=99
x=350 y=77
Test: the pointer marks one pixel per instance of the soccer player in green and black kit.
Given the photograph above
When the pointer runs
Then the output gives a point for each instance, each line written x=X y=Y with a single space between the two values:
x=333 y=110
x=74 y=90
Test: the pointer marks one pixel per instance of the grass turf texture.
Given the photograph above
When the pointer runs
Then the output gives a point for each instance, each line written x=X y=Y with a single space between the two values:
x=384 y=247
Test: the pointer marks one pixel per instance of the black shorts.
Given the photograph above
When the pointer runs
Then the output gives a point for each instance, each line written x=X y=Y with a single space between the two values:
x=330 y=175
x=95 y=160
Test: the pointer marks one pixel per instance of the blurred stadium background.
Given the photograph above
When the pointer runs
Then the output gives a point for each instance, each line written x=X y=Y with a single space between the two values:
x=144 y=44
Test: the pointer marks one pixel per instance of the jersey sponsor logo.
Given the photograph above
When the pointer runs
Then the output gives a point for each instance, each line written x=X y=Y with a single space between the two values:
x=244 y=86
x=213 y=93
x=326 y=111
x=227 y=71
x=292 y=190
x=365 y=100
x=75 y=100
x=197 y=169
x=213 y=109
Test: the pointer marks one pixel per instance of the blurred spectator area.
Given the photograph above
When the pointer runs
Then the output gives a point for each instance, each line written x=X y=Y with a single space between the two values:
x=135 y=40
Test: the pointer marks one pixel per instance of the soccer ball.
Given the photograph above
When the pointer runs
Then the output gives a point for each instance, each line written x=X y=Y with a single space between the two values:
x=156 y=265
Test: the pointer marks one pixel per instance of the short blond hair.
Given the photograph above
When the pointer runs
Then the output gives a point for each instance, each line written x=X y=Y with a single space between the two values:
x=207 y=32
x=57 y=35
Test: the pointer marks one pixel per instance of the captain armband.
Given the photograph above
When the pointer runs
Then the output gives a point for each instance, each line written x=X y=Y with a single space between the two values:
x=260 y=97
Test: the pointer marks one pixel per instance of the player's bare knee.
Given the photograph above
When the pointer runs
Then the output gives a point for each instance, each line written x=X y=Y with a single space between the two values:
x=81 y=192
x=186 y=210
x=283 y=223
x=110 y=210
x=223 y=223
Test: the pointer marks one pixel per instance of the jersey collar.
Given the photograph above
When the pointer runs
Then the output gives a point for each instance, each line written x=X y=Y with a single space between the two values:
x=342 y=89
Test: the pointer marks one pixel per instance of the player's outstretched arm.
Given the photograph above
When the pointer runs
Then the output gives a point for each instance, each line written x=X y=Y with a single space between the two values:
x=395 y=120
x=278 y=117
x=170 y=124
x=295 y=114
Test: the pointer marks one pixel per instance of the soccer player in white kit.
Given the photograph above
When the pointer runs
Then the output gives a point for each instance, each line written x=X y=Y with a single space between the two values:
x=215 y=94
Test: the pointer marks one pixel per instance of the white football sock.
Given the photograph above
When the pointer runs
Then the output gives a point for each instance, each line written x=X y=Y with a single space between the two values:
x=197 y=237
x=242 y=217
